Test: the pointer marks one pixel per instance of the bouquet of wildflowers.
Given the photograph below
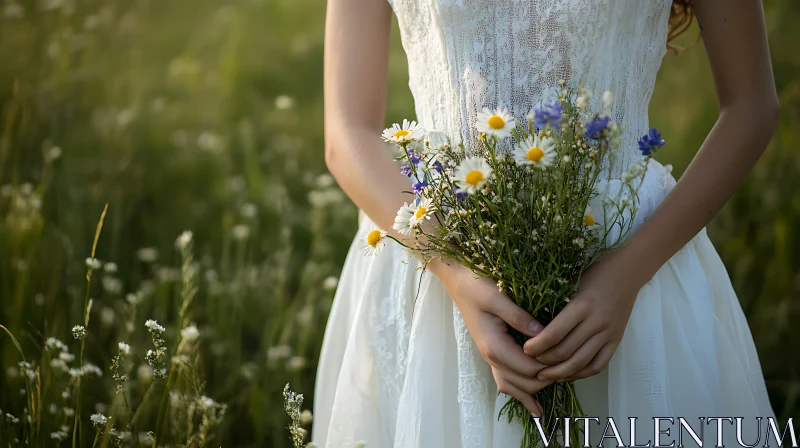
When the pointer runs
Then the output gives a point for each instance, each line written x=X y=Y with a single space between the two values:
x=526 y=206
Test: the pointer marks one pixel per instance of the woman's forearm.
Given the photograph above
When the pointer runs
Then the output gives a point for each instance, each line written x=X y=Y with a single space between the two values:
x=733 y=146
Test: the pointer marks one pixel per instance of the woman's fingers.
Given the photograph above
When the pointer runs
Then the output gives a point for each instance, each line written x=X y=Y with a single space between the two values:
x=569 y=345
x=528 y=385
x=513 y=315
x=555 y=331
x=505 y=386
x=502 y=351
x=597 y=364
x=576 y=362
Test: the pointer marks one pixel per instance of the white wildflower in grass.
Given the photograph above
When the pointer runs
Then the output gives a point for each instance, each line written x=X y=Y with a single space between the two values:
x=330 y=283
x=78 y=332
x=292 y=403
x=59 y=436
x=401 y=134
x=55 y=344
x=424 y=210
x=403 y=220
x=93 y=263
x=98 y=419
x=284 y=102
x=295 y=363
x=278 y=352
x=110 y=267
x=66 y=357
x=153 y=326
x=184 y=240
x=124 y=348
x=497 y=123
x=537 y=151
x=306 y=417
x=472 y=174
x=581 y=102
x=147 y=254
x=190 y=333
x=240 y=232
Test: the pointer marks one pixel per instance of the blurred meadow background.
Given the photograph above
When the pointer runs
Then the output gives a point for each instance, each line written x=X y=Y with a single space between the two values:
x=207 y=116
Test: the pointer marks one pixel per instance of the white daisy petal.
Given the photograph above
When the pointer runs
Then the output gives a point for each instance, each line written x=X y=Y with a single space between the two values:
x=535 y=151
x=471 y=175
x=497 y=123
x=374 y=242
x=402 y=222
x=407 y=132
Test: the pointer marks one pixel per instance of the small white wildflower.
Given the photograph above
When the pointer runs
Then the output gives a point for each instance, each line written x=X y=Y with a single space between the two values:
x=306 y=417
x=93 y=263
x=284 y=102
x=55 y=344
x=98 y=419
x=66 y=357
x=78 y=332
x=190 y=333
x=154 y=326
x=240 y=232
x=296 y=363
x=330 y=283
x=184 y=240
x=58 y=435
x=124 y=348
x=206 y=403
x=147 y=254
x=110 y=267
x=565 y=159
x=581 y=102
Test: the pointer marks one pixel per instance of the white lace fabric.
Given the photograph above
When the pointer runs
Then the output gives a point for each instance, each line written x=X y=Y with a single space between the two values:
x=464 y=55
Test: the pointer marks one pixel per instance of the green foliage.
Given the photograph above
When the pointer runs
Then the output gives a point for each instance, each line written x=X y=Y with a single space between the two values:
x=208 y=116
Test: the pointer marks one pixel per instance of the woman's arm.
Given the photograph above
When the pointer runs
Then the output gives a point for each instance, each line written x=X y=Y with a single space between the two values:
x=735 y=38
x=356 y=61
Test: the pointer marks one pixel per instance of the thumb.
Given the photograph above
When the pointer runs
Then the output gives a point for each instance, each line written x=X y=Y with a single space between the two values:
x=519 y=319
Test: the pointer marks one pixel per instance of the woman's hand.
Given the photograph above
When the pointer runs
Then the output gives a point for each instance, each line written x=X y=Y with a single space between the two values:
x=580 y=341
x=487 y=314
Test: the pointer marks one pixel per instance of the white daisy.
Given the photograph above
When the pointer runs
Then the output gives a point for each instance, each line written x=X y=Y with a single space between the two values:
x=408 y=131
x=374 y=242
x=498 y=123
x=471 y=175
x=537 y=151
x=424 y=210
x=588 y=219
x=402 y=222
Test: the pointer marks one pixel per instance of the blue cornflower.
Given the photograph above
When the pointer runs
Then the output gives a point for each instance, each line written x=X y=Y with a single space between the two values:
x=651 y=142
x=418 y=186
x=549 y=114
x=405 y=169
x=414 y=159
x=596 y=126
x=437 y=165
x=462 y=195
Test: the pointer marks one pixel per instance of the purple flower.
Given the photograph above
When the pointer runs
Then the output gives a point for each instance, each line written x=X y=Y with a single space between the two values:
x=405 y=169
x=437 y=166
x=414 y=159
x=650 y=142
x=418 y=186
x=596 y=126
x=462 y=195
x=549 y=114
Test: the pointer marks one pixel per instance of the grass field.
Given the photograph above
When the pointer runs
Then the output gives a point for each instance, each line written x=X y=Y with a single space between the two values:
x=206 y=116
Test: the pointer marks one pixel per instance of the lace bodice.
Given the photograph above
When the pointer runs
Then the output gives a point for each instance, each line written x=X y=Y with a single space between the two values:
x=464 y=55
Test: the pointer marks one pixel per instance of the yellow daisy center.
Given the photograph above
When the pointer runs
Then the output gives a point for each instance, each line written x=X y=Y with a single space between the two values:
x=474 y=177
x=400 y=133
x=589 y=220
x=421 y=212
x=496 y=122
x=535 y=154
x=374 y=238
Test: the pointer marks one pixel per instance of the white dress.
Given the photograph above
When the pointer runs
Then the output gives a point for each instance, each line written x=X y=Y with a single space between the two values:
x=398 y=366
